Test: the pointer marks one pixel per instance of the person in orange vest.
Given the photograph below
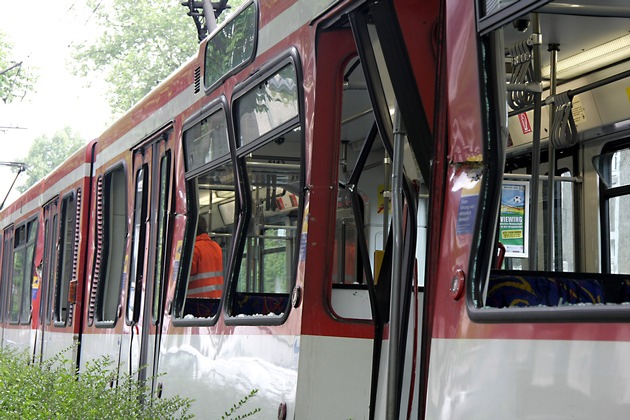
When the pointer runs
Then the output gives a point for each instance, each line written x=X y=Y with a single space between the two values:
x=206 y=271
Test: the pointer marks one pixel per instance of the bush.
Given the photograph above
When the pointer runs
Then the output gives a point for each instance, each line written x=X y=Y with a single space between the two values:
x=51 y=390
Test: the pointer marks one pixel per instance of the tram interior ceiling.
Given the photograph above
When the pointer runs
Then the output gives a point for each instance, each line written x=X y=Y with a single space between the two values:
x=566 y=81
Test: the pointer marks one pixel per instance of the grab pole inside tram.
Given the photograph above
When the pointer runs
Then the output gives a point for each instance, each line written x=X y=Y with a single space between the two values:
x=393 y=392
x=533 y=218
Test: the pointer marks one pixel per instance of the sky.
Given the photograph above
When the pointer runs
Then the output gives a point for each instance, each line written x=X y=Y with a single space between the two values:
x=42 y=38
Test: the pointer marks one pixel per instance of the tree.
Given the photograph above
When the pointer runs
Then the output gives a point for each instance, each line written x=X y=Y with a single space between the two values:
x=47 y=153
x=141 y=44
x=15 y=80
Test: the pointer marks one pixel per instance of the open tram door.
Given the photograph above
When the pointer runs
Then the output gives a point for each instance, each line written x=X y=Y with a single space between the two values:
x=147 y=269
x=51 y=237
x=387 y=78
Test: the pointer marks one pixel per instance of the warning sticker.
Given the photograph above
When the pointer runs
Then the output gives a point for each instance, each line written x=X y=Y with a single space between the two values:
x=578 y=111
x=526 y=127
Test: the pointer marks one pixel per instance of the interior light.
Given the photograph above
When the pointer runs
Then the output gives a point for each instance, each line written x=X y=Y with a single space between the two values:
x=592 y=59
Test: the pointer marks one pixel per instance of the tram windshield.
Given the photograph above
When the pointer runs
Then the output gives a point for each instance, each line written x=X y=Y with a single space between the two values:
x=559 y=212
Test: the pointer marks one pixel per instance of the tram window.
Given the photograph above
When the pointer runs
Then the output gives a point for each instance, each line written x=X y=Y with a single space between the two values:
x=158 y=291
x=613 y=170
x=270 y=105
x=346 y=266
x=46 y=271
x=5 y=273
x=270 y=153
x=564 y=258
x=202 y=285
x=206 y=141
x=66 y=255
x=231 y=47
x=565 y=250
x=210 y=187
x=49 y=263
x=23 y=254
x=52 y=270
x=7 y=258
x=112 y=240
x=268 y=261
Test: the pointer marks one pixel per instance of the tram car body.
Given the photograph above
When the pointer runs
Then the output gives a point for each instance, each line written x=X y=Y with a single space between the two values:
x=375 y=174
x=529 y=318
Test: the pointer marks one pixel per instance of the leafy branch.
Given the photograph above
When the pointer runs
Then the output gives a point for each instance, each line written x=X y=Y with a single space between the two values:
x=238 y=406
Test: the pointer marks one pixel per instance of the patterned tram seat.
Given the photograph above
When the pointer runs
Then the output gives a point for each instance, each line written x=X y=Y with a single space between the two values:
x=508 y=289
x=260 y=303
x=201 y=307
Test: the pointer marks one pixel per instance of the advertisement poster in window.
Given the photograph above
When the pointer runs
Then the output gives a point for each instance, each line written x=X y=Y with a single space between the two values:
x=513 y=219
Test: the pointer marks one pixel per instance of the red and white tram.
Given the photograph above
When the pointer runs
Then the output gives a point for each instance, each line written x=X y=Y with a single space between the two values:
x=377 y=176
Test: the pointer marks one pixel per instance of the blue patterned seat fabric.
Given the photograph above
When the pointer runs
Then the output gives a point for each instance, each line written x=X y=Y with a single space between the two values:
x=514 y=290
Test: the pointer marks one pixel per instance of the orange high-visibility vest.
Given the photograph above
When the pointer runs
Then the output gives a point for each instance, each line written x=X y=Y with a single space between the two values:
x=206 y=271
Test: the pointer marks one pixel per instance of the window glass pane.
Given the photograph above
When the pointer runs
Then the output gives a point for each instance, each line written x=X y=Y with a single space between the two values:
x=24 y=247
x=68 y=225
x=25 y=316
x=114 y=231
x=206 y=140
x=619 y=224
x=18 y=283
x=53 y=269
x=232 y=46
x=565 y=249
x=267 y=267
x=211 y=235
x=53 y=274
x=165 y=167
x=619 y=168
x=7 y=257
x=137 y=250
x=46 y=267
x=269 y=105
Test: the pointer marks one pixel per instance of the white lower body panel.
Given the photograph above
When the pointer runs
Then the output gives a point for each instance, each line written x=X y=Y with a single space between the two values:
x=334 y=378
x=217 y=371
x=499 y=379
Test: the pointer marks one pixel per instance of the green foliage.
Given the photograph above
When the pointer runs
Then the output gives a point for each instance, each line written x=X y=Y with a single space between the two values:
x=51 y=390
x=47 y=153
x=141 y=44
x=240 y=405
x=15 y=80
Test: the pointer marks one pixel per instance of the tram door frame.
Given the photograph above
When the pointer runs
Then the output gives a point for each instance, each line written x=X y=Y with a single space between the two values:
x=49 y=269
x=144 y=310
